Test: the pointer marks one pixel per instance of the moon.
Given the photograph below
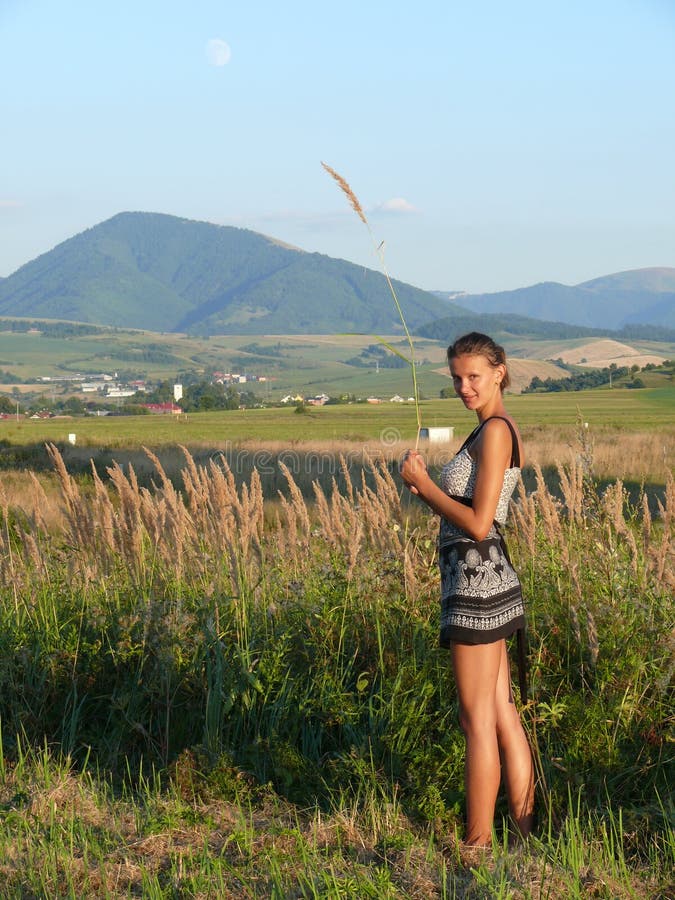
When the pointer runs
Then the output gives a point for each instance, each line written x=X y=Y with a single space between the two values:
x=218 y=52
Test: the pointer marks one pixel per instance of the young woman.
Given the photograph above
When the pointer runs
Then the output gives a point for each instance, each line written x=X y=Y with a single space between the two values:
x=481 y=600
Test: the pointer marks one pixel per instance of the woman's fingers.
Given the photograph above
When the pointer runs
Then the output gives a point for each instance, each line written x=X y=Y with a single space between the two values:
x=411 y=466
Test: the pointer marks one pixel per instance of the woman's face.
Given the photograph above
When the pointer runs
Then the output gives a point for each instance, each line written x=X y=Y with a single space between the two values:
x=476 y=381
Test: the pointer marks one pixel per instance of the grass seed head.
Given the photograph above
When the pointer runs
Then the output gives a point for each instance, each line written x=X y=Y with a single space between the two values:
x=349 y=193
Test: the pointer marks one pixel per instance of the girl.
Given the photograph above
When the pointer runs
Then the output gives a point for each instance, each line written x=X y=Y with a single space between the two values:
x=481 y=601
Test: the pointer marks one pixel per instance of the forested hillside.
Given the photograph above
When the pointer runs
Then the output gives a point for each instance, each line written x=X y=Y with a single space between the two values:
x=162 y=273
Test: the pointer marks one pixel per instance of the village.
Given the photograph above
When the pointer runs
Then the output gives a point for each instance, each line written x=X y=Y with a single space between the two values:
x=102 y=394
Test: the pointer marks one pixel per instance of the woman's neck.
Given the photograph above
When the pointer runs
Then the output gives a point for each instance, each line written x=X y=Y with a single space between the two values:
x=493 y=409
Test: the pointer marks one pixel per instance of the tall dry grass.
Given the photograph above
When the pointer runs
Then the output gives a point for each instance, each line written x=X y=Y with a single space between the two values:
x=160 y=535
x=291 y=640
x=631 y=456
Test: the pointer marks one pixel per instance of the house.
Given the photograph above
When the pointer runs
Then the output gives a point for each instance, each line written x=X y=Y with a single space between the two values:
x=319 y=400
x=163 y=409
x=117 y=392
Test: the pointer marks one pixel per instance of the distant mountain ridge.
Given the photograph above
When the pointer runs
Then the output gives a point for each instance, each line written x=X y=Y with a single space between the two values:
x=164 y=273
x=644 y=296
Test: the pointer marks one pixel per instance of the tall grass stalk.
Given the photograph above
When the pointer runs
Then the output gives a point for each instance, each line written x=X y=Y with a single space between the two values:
x=379 y=251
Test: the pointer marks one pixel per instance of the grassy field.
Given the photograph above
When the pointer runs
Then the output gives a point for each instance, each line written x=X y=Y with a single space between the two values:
x=205 y=695
x=631 y=434
x=649 y=409
x=309 y=364
x=235 y=691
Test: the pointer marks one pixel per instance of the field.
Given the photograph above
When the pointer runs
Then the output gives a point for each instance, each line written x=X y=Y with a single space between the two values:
x=220 y=674
x=226 y=683
x=597 y=351
x=632 y=432
x=309 y=364
x=630 y=410
x=602 y=353
x=207 y=694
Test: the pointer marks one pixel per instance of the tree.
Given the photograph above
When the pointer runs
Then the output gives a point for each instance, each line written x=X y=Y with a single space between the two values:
x=74 y=405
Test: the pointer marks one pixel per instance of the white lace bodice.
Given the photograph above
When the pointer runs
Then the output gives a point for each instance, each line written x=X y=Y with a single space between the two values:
x=458 y=478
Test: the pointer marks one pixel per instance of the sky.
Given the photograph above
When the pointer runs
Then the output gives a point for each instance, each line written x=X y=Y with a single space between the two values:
x=491 y=145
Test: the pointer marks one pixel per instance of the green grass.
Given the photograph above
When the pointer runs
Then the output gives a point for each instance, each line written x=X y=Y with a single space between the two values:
x=643 y=409
x=282 y=723
x=309 y=364
x=31 y=355
x=275 y=718
x=73 y=836
x=649 y=409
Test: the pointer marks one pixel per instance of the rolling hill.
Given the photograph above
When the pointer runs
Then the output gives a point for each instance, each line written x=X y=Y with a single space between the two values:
x=162 y=273
x=166 y=274
x=645 y=296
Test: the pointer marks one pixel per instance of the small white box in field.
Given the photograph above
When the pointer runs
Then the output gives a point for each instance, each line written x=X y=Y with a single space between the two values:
x=72 y=438
x=437 y=435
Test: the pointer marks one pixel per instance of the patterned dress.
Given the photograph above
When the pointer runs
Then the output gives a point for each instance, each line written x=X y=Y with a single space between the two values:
x=481 y=597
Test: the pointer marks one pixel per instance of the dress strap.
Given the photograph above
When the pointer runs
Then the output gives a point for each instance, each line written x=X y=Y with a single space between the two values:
x=515 y=449
x=469 y=440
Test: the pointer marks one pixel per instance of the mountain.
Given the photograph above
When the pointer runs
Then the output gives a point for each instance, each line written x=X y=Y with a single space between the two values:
x=163 y=273
x=645 y=296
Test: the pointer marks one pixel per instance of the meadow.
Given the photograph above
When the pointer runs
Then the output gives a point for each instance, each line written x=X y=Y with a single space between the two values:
x=209 y=688
x=308 y=364
x=632 y=433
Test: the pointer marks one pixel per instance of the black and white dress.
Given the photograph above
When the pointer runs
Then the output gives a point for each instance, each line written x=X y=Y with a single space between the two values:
x=481 y=597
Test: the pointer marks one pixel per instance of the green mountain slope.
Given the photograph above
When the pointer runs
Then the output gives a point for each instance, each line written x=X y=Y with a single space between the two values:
x=644 y=296
x=162 y=273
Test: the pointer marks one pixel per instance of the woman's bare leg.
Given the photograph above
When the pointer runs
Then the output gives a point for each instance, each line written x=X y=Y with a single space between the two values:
x=515 y=752
x=476 y=669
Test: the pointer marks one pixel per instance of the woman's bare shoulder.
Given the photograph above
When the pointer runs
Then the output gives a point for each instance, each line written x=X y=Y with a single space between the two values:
x=499 y=436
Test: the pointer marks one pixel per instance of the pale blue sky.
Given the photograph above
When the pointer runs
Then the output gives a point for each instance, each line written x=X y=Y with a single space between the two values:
x=492 y=144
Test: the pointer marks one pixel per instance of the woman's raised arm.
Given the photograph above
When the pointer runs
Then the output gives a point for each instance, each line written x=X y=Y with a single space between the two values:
x=493 y=450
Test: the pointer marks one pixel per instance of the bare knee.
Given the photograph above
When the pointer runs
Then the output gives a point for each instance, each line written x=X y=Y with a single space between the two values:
x=508 y=723
x=477 y=721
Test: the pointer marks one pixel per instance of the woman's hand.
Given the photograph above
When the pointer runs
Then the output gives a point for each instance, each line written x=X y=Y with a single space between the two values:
x=413 y=470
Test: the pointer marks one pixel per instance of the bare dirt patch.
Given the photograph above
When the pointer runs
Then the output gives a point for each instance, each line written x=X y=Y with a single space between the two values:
x=22 y=388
